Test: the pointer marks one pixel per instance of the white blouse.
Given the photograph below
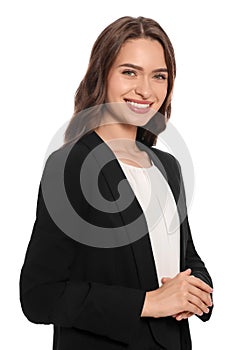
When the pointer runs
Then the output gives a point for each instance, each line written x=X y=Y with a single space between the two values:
x=159 y=207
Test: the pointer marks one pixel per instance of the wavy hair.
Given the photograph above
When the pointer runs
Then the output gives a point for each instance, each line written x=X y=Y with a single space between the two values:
x=92 y=89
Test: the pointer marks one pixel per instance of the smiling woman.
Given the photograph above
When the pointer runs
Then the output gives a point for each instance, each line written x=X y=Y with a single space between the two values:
x=115 y=40
x=129 y=277
x=137 y=85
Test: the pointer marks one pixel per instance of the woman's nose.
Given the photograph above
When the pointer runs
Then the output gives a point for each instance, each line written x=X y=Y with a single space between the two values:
x=143 y=88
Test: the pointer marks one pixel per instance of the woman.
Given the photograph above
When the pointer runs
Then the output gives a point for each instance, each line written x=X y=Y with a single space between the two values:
x=111 y=262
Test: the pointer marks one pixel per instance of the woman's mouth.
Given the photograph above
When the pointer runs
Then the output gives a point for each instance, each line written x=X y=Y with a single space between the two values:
x=140 y=107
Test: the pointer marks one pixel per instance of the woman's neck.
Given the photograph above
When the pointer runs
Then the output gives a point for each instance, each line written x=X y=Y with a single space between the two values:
x=121 y=137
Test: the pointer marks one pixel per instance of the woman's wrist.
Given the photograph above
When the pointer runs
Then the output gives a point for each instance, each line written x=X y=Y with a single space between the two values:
x=147 y=306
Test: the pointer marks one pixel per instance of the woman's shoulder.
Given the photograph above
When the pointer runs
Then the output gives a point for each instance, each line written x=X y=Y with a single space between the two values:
x=70 y=151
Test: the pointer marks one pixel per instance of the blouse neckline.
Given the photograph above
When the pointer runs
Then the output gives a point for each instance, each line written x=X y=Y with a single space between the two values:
x=136 y=167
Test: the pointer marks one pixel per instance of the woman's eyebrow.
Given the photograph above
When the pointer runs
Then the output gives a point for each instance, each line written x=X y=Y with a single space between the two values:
x=131 y=65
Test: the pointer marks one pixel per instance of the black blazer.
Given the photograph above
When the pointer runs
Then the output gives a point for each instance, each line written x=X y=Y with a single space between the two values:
x=96 y=291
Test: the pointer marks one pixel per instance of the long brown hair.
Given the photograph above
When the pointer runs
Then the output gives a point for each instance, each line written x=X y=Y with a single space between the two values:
x=92 y=89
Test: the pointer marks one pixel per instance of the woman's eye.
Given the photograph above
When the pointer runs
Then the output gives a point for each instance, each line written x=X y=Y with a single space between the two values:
x=129 y=72
x=160 y=76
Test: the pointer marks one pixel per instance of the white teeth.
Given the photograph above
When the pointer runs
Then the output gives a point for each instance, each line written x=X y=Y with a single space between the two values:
x=138 y=105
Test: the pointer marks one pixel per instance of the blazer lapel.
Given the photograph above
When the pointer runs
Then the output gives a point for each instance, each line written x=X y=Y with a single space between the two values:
x=133 y=220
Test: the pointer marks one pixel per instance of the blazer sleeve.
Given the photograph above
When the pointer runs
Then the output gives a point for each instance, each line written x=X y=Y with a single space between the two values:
x=49 y=296
x=192 y=258
x=198 y=267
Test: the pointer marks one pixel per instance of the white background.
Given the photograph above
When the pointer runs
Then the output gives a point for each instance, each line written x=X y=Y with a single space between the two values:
x=45 y=46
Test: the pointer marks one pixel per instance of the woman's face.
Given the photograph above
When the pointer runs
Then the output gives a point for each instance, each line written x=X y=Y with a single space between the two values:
x=137 y=82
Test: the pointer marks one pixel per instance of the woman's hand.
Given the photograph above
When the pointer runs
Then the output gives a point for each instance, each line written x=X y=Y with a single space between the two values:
x=179 y=297
x=181 y=315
